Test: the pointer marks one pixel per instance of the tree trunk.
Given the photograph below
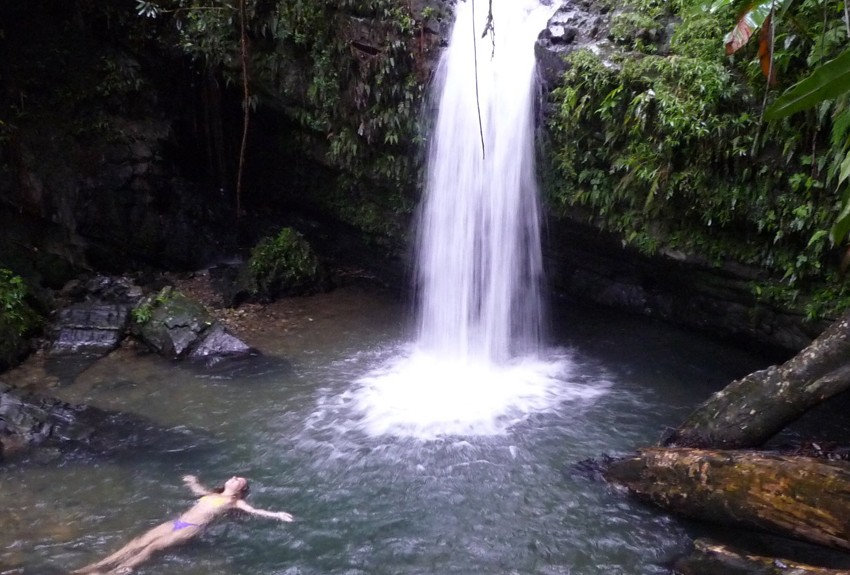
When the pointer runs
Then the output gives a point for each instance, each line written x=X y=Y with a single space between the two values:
x=799 y=497
x=712 y=558
x=751 y=410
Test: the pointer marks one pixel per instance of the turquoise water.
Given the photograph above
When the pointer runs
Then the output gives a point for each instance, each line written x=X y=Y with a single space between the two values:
x=509 y=501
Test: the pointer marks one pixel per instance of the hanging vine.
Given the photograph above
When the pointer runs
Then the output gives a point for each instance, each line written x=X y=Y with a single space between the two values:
x=488 y=28
x=246 y=106
x=477 y=97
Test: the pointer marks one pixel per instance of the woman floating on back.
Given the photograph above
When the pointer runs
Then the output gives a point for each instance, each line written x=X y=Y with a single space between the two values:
x=209 y=506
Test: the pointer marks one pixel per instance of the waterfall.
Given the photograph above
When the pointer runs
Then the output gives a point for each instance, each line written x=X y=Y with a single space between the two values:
x=477 y=367
x=478 y=263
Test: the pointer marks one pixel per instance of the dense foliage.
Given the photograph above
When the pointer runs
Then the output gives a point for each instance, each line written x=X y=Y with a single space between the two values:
x=351 y=73
x=664 y=143
x=17 y=318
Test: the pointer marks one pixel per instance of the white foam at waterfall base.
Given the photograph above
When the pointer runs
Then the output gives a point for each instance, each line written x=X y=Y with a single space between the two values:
x=425 y=396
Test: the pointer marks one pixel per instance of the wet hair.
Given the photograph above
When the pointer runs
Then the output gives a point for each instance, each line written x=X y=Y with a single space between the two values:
x=242 y=492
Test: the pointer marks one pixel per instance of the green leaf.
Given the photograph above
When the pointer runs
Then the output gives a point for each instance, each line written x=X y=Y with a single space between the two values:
x=841 y=226
x=751 y=17
x=828 y=81
x=841 y=127
x=845 y=169
x=816 y=237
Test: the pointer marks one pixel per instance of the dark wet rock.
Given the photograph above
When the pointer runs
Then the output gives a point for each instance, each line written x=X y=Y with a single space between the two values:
x=218 y=344
x=588 y=264
x=227 y=279
x=175 y=325
x=101 y=288
x=179 y=327
x=169 y=323
x=28 y=421
x=575 y=26
x=592 y=468
x=91 y=328
x=96 y=320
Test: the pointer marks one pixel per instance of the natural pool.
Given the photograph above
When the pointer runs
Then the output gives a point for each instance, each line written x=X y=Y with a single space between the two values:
x=507 y=503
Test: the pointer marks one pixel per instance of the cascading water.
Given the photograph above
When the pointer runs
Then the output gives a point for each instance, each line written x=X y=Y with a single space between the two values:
x=477 y=366
x=479 y=262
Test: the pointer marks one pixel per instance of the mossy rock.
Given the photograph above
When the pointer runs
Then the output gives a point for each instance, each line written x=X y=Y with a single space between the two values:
x=170 y=322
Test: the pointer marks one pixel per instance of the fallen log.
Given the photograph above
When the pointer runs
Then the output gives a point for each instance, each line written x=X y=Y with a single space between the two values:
x=751 y=410
x=798 y=497
x=713 y=558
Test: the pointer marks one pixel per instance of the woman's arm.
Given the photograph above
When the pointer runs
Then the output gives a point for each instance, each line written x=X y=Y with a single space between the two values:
x=282 y=515
x=194 y=486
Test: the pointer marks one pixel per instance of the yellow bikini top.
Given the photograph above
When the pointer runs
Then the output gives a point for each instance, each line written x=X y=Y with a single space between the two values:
x=216 y=500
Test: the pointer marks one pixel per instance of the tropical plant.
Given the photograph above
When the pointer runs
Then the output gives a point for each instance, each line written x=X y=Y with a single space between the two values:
x=358 y=100
x=17 y=318
x=828 y=81
x=283 y=264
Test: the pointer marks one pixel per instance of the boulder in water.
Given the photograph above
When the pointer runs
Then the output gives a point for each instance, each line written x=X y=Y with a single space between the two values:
x=179 y=327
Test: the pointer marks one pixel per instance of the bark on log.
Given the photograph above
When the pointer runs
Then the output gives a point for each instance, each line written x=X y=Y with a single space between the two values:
x=712 y=558
x=799 y=497
x=753 y=409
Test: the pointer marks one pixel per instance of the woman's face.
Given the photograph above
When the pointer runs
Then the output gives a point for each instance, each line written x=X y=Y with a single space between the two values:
x=235 y=485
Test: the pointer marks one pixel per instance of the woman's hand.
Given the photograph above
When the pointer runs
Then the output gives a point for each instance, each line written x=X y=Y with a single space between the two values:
x=194 y=486
x=283 y=516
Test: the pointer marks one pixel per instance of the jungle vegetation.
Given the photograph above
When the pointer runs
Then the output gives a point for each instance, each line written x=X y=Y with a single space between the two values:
x=672 y=141
x=348 y=76
x=349 y=72
x=18 y=319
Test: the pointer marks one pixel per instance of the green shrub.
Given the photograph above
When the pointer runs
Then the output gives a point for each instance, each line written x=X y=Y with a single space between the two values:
x=17 y=319
x=284 y=265
x=635 y=30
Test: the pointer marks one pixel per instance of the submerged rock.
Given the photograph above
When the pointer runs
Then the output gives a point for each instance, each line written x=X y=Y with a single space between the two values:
x=29 y=421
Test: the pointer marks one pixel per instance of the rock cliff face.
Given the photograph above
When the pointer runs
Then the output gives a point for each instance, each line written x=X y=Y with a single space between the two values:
x=576 y=25
x=587 y=264
x=119 y=155
x=89 y=176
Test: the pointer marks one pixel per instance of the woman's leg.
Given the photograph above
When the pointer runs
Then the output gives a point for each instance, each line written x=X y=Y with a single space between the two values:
x=131 y=563
x=129 y=549
x=163 y=542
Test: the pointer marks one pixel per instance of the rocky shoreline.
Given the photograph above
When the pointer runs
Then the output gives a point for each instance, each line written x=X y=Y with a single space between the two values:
x=31 y=418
